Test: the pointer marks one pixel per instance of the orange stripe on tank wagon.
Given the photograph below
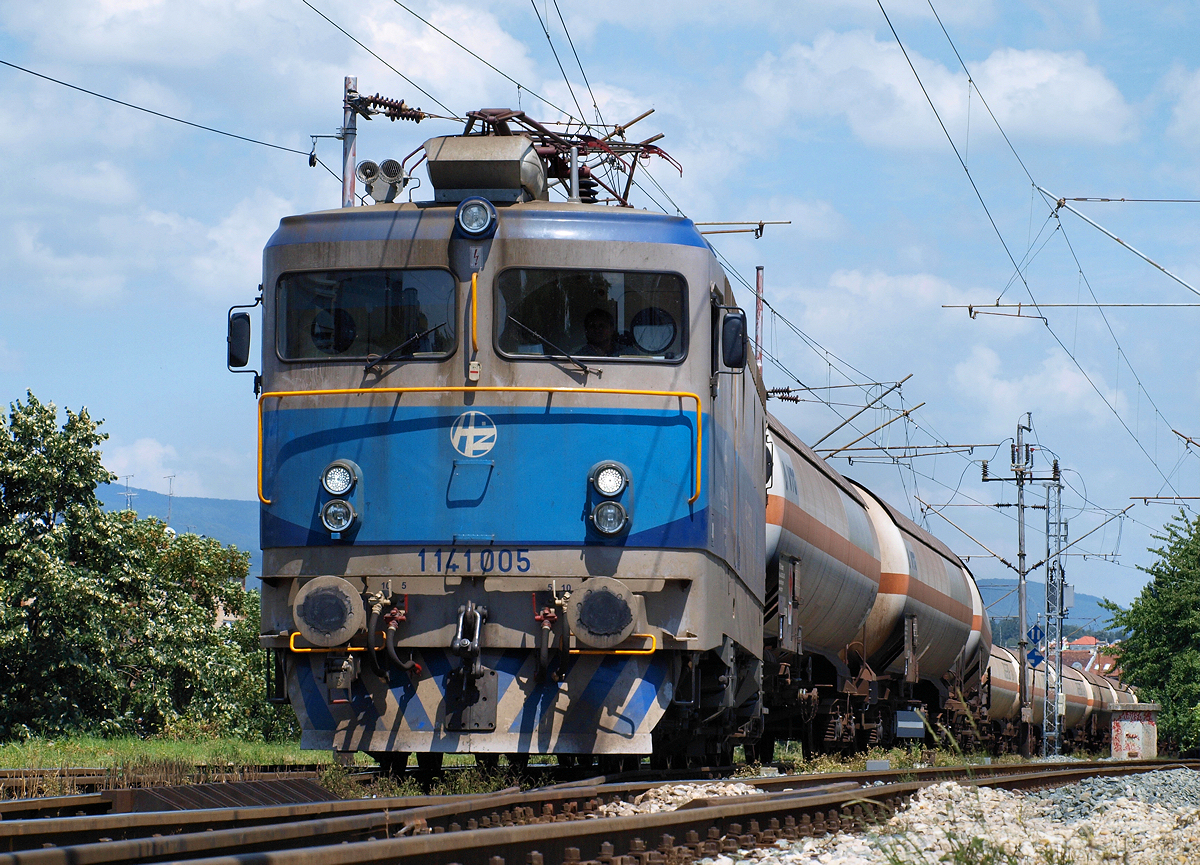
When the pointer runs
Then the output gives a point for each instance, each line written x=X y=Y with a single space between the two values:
x=802 y=524
x=903 y=584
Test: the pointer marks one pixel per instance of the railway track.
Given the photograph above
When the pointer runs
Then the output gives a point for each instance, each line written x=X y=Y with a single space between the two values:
x=545 y=826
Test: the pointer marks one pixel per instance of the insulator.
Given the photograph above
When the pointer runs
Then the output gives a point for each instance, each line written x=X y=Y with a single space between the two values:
x=588 y=189
x=985 y=462
x=395 y=109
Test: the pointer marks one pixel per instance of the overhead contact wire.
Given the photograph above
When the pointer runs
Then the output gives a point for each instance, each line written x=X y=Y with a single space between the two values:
x=504 y=75
x=554 y=51
x=155 y=113
x=1004 y=244
x=384 y=62
x=571 y=42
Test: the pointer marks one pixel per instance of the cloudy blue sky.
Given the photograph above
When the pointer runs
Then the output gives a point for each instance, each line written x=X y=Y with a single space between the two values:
x=124 y=237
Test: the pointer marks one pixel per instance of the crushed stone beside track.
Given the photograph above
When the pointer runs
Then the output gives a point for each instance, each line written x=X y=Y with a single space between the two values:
x=1140 y=820
x=670 y=796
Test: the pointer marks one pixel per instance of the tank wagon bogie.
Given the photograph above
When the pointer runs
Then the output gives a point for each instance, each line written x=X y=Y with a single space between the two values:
x=520 y=495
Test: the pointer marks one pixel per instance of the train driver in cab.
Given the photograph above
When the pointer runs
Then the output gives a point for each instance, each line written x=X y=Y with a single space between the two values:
x=601 y=333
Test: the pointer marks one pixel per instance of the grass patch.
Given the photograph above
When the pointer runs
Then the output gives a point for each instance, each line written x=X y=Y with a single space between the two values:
x=131 y=752
x=792 y=760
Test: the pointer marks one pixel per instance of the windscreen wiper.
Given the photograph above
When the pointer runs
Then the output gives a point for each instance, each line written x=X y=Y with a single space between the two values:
x=567 y=355
x=395 y=351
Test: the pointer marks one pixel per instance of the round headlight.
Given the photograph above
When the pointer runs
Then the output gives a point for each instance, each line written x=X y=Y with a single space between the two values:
x=337 y=515
x=609 y=517
x=476 y=216
x=609 y=480
x=337 y=479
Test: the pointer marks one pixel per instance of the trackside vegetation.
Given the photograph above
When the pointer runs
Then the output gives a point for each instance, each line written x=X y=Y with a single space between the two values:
x=109 y=623
x=1160 y=657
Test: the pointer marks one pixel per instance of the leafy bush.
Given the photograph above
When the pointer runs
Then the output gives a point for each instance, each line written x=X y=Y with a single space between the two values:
x=1160 y=657
x=108 y=624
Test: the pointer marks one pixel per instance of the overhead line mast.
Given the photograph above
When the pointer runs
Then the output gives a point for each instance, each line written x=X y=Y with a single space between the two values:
x=1022 y=468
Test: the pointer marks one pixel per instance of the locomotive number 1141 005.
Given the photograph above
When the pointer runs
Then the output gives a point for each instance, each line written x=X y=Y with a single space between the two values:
x=478 y=561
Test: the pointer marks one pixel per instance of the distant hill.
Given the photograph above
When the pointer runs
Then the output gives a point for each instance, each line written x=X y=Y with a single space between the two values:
x=1086 y=613
x=230 y=521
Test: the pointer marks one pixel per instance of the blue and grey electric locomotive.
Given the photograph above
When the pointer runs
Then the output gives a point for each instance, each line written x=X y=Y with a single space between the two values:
x=520 y=494
x=511 y=472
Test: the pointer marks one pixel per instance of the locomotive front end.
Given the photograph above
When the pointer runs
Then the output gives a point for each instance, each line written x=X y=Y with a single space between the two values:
x=486 y=464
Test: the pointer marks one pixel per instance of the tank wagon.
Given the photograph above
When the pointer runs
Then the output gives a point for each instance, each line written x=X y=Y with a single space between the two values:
x=520 y=494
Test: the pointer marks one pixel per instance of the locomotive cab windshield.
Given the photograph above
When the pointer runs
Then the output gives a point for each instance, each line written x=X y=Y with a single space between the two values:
x=359 y=314
x=591 y=313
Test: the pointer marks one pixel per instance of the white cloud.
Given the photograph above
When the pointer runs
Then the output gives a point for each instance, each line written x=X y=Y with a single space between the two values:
x=1035 y=94
x=231 y=262
x=1055 y=388
x=1185 y=116
x=671 y=15
x=92 y=277
x=103 y=183
x=856 y=297
x=148 y=462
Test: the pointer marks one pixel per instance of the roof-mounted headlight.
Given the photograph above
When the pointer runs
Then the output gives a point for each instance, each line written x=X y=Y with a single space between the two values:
x=609 y=518
x=476 y=218
x=338 y=478
x=338 y=515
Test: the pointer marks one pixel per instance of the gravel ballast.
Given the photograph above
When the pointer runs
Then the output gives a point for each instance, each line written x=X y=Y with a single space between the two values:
x=1141 y=819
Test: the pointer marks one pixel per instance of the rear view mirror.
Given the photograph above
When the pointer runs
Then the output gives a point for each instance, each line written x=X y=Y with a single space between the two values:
x=239 y=340
x=733 y=340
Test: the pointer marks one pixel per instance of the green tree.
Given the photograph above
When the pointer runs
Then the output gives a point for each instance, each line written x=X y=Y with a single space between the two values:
x=108 y=623
x=1160 y=655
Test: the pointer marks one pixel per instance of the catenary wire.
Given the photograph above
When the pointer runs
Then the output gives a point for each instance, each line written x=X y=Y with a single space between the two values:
x=504 y=75
x=571 y=42
x=200 y=126
x=1008 y=252
x=971 y=80
x=1065 y=238
x=1107 y=324
x=155 y=113
x=554 y=51
x=1138 y=200
x=441 y=104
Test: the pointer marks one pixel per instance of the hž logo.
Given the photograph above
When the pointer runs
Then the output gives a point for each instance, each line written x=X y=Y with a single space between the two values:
x=473 y=434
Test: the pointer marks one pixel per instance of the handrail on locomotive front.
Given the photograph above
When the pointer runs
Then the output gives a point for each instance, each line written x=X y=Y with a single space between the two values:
x=681 y=394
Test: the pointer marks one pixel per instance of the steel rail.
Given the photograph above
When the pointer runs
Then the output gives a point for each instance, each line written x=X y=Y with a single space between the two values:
x=708 y=828
x=116 y=837
x=22 y=834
